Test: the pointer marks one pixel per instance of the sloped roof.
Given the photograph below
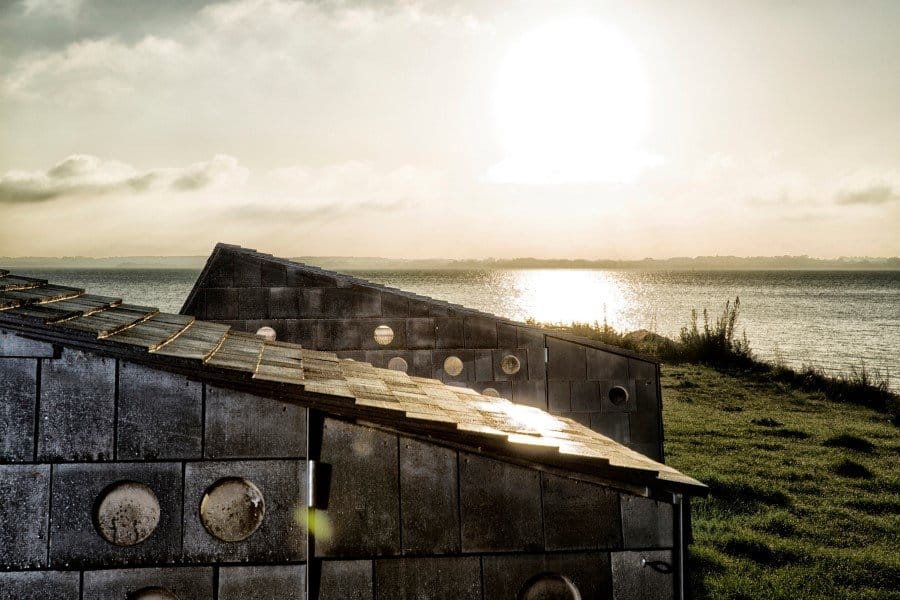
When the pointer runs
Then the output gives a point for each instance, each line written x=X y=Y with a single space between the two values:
x=342 y=279
x=217 y=354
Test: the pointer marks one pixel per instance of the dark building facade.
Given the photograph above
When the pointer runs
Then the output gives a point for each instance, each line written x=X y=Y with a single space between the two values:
x=611 y=390
x=156 y=456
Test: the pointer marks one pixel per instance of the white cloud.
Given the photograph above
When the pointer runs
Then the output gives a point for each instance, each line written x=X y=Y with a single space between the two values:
x=86 y=175
x=66 y=9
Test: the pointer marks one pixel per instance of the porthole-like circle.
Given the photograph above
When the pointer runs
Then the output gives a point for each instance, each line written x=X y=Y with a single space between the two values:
x=384 y=335
x=549 y=586
x=398 y=364
x=493 y=393
x=453 y=366
x=127 y=513
x=267 y=332
x=152 y=593
x=618 y=395
x=232 y=509
x=510 y=364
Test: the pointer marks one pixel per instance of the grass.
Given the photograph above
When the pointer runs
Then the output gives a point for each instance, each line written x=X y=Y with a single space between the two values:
x=805 y=492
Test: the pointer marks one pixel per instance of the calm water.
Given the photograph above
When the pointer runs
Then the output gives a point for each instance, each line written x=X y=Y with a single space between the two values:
x=831 y=319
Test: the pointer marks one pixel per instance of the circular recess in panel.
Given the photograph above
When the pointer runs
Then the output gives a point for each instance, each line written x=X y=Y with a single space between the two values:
x=453 y=366
x=398 y=364
x=126 y=513
x=384 y=335
x=267 y=332
x=510 y=364
x=152 y=593
x=618 y=395
x=549 y=586
x=232 y=509
x=493 y=393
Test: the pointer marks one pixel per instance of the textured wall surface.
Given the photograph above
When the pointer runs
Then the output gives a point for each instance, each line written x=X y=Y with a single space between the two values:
x=328 y=311
x=401 y=518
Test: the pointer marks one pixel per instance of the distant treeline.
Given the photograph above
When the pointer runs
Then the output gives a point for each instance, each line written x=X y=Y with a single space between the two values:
x=699 y=263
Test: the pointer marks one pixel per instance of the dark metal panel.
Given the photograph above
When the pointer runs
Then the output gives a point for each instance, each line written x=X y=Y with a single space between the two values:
x=566 y=360
x=187 y=583
x=531 y=393
x=503 y=388
x=272 y=274
x=505 y=575
x=24 y=503
x=429 y=502
x=284 y=582
x=354 y=302
x=612 y=425
x=39 y=585
x=77 y=487
x=381 y=358
x=484 y=366
x=343 y=580
x=480 y=332
x=18 y=393
x=312 y=303
x=580 y=516
x=422 y=364
x=77 y=407
x=253 y=303
x=247 y=272
x=643 y=576
x=221 y=304
x=241 y=425
x=363 y=506
x=641 y=369
x=295 y=331
x=558 y=397
x=220 y=273
x=302 y=276
x=506 y=335
x=338 y=335
x=280 y=537
x=532 y=339
x=394 y=305
x=449 y=333
x=284 y=303
x=451 y=578
x=585 y=396
x=13 y=345
x=606 y=365
x=159 y=416
x=646 y=523
x=420 y=333
x=500 y=506
x=645 y=421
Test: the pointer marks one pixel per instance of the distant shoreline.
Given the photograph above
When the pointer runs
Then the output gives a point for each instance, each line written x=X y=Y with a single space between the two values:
x=702 y=263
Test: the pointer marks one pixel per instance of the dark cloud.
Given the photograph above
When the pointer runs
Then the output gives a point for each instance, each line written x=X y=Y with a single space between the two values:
x=84 y=175
x=874 y=195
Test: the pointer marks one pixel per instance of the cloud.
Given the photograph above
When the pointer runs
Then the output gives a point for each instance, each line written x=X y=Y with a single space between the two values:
x=872 y=196
x=83 y=174
x=65 y=9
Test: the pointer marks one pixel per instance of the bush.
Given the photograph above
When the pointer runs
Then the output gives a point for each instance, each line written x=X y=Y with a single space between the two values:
x=715 y=344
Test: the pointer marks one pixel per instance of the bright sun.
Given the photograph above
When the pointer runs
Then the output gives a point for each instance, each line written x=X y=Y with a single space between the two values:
x=572 y=107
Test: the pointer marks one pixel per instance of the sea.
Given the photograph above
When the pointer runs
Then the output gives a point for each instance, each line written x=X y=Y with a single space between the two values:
x=833 y=320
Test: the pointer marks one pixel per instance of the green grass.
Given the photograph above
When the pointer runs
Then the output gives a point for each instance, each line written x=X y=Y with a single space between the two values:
x=805 y=498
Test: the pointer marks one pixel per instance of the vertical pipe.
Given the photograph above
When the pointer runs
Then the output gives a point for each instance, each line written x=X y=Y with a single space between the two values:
x=679 y=547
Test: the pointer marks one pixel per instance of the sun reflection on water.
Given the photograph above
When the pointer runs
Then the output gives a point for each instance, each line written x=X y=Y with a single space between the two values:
x=563 y=296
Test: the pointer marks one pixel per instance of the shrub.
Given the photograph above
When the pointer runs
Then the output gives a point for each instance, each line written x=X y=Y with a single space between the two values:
x=715 y=343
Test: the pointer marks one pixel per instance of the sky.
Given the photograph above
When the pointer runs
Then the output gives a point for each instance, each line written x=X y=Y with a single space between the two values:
x=464 y=129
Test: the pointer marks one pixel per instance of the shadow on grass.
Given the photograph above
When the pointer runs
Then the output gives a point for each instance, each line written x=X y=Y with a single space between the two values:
x=875 y=507
x=850 y=442
x=759 y=552
x=788 y=434
x=852 y=470
x=739 y=496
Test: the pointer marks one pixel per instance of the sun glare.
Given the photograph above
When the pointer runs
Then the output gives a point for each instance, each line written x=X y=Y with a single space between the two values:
x=572 y=106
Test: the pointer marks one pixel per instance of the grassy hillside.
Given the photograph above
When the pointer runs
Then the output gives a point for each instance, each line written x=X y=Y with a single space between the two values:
x=805 y=496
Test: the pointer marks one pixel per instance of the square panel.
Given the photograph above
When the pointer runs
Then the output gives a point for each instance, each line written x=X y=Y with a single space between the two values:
x=24 y=504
